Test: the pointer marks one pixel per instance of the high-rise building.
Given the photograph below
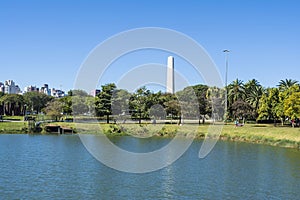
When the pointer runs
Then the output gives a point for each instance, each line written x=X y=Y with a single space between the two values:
x=45 y=89
x=1 y=87
x=31 y=89
x=170 y=75
x=57 y=93
x=11 y=88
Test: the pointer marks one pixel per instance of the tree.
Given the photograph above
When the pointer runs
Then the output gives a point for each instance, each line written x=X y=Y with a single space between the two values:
x=286 y=84
x=13 y=104
x=283 y=95
x=189 y=103
x=292 y=105
x=120 y=102
x=54 y=109
x=1 y=104
x=216 y=99
x=203 y=103
x=104 y=100
x=269 y=104
x=66 y=104
x=253 y=93
x=79 y=101
x=242 y=109
x=79 y=106
x=36 y=101
x=236 y=91
x=140 y=102
x=172 y=107
x=90 y=102
x=77 y=92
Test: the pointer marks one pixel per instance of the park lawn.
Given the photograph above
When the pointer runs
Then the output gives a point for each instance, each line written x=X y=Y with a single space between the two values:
x=266 y=134
x=13 y=127
x=14 y=118
x=249 y=130
x=253 y=133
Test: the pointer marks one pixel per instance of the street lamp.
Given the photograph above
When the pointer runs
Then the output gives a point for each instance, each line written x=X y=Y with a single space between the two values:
x=226 y=73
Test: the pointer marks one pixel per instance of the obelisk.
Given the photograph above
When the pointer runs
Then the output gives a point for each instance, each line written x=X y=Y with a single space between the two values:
x=170 y=75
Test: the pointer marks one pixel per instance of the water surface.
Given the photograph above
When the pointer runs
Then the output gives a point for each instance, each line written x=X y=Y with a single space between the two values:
x=59 y=167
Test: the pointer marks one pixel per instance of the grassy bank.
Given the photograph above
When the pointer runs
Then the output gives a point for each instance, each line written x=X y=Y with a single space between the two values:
x=253 y=133
x=263 y=134
x=13 y=127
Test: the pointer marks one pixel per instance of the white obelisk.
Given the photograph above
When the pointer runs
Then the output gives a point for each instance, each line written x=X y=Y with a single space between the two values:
x=170 y=75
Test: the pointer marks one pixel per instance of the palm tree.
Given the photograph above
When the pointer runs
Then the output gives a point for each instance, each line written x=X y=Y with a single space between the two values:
x=254 y=91
x=236 y=91
x=286 y=84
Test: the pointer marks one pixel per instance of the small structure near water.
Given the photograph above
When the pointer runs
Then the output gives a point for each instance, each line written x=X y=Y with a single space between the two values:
x=58 y=129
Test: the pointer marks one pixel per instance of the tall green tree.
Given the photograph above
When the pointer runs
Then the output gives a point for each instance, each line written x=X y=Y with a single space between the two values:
x=54 y=109
x=13 y=104
x=292 y=106
x=201 y=91
x=189 y=103
x=140 y=102
x=253 y=93
x=120 y=102
x=103 y=100
x=79 y=106
x=66 y=104
x=268 y=105
x=286 y=84
x=217 y=98
x=242 y=109
x=36 y=101
x=236 y=91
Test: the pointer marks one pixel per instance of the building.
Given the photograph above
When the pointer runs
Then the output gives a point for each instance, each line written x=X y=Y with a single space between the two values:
x=10 y=87
x=1 y=87
x=18 y=90
x=57 y=93
x=170 y=75
x=31 y=89
x=45 y=89
x=95 y=92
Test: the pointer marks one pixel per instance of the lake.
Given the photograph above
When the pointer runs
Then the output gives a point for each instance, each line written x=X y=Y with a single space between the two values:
x=59 y=167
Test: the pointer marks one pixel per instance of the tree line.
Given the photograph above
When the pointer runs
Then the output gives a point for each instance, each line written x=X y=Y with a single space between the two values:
x=246 y=101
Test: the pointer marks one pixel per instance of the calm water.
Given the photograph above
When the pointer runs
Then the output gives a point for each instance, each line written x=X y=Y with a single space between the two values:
x=59 y=167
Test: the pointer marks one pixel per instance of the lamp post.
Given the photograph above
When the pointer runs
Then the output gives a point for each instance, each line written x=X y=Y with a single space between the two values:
x=226 y=73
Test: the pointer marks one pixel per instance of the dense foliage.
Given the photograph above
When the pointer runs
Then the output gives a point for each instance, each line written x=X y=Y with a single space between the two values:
x=248 y=100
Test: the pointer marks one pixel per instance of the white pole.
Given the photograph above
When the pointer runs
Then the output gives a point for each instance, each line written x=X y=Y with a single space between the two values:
x=226 y=74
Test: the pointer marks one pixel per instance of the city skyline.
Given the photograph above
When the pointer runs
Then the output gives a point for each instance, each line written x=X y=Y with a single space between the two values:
x=10 y=87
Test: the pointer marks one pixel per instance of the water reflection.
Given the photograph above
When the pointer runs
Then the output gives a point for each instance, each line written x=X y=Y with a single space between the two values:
x=59 y=167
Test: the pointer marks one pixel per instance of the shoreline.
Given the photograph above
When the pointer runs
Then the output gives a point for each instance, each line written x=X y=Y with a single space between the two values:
x=286 y=137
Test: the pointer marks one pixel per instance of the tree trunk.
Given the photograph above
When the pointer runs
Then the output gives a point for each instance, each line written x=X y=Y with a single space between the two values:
x=140 y=118
x=107 y=118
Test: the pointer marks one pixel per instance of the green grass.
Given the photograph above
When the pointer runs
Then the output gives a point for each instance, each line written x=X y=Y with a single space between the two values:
x=254 y=133
x=13 y=127
x=15 y=118
x=261 y=134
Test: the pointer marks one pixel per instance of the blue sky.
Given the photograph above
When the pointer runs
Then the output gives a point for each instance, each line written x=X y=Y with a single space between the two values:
x=47 y=41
